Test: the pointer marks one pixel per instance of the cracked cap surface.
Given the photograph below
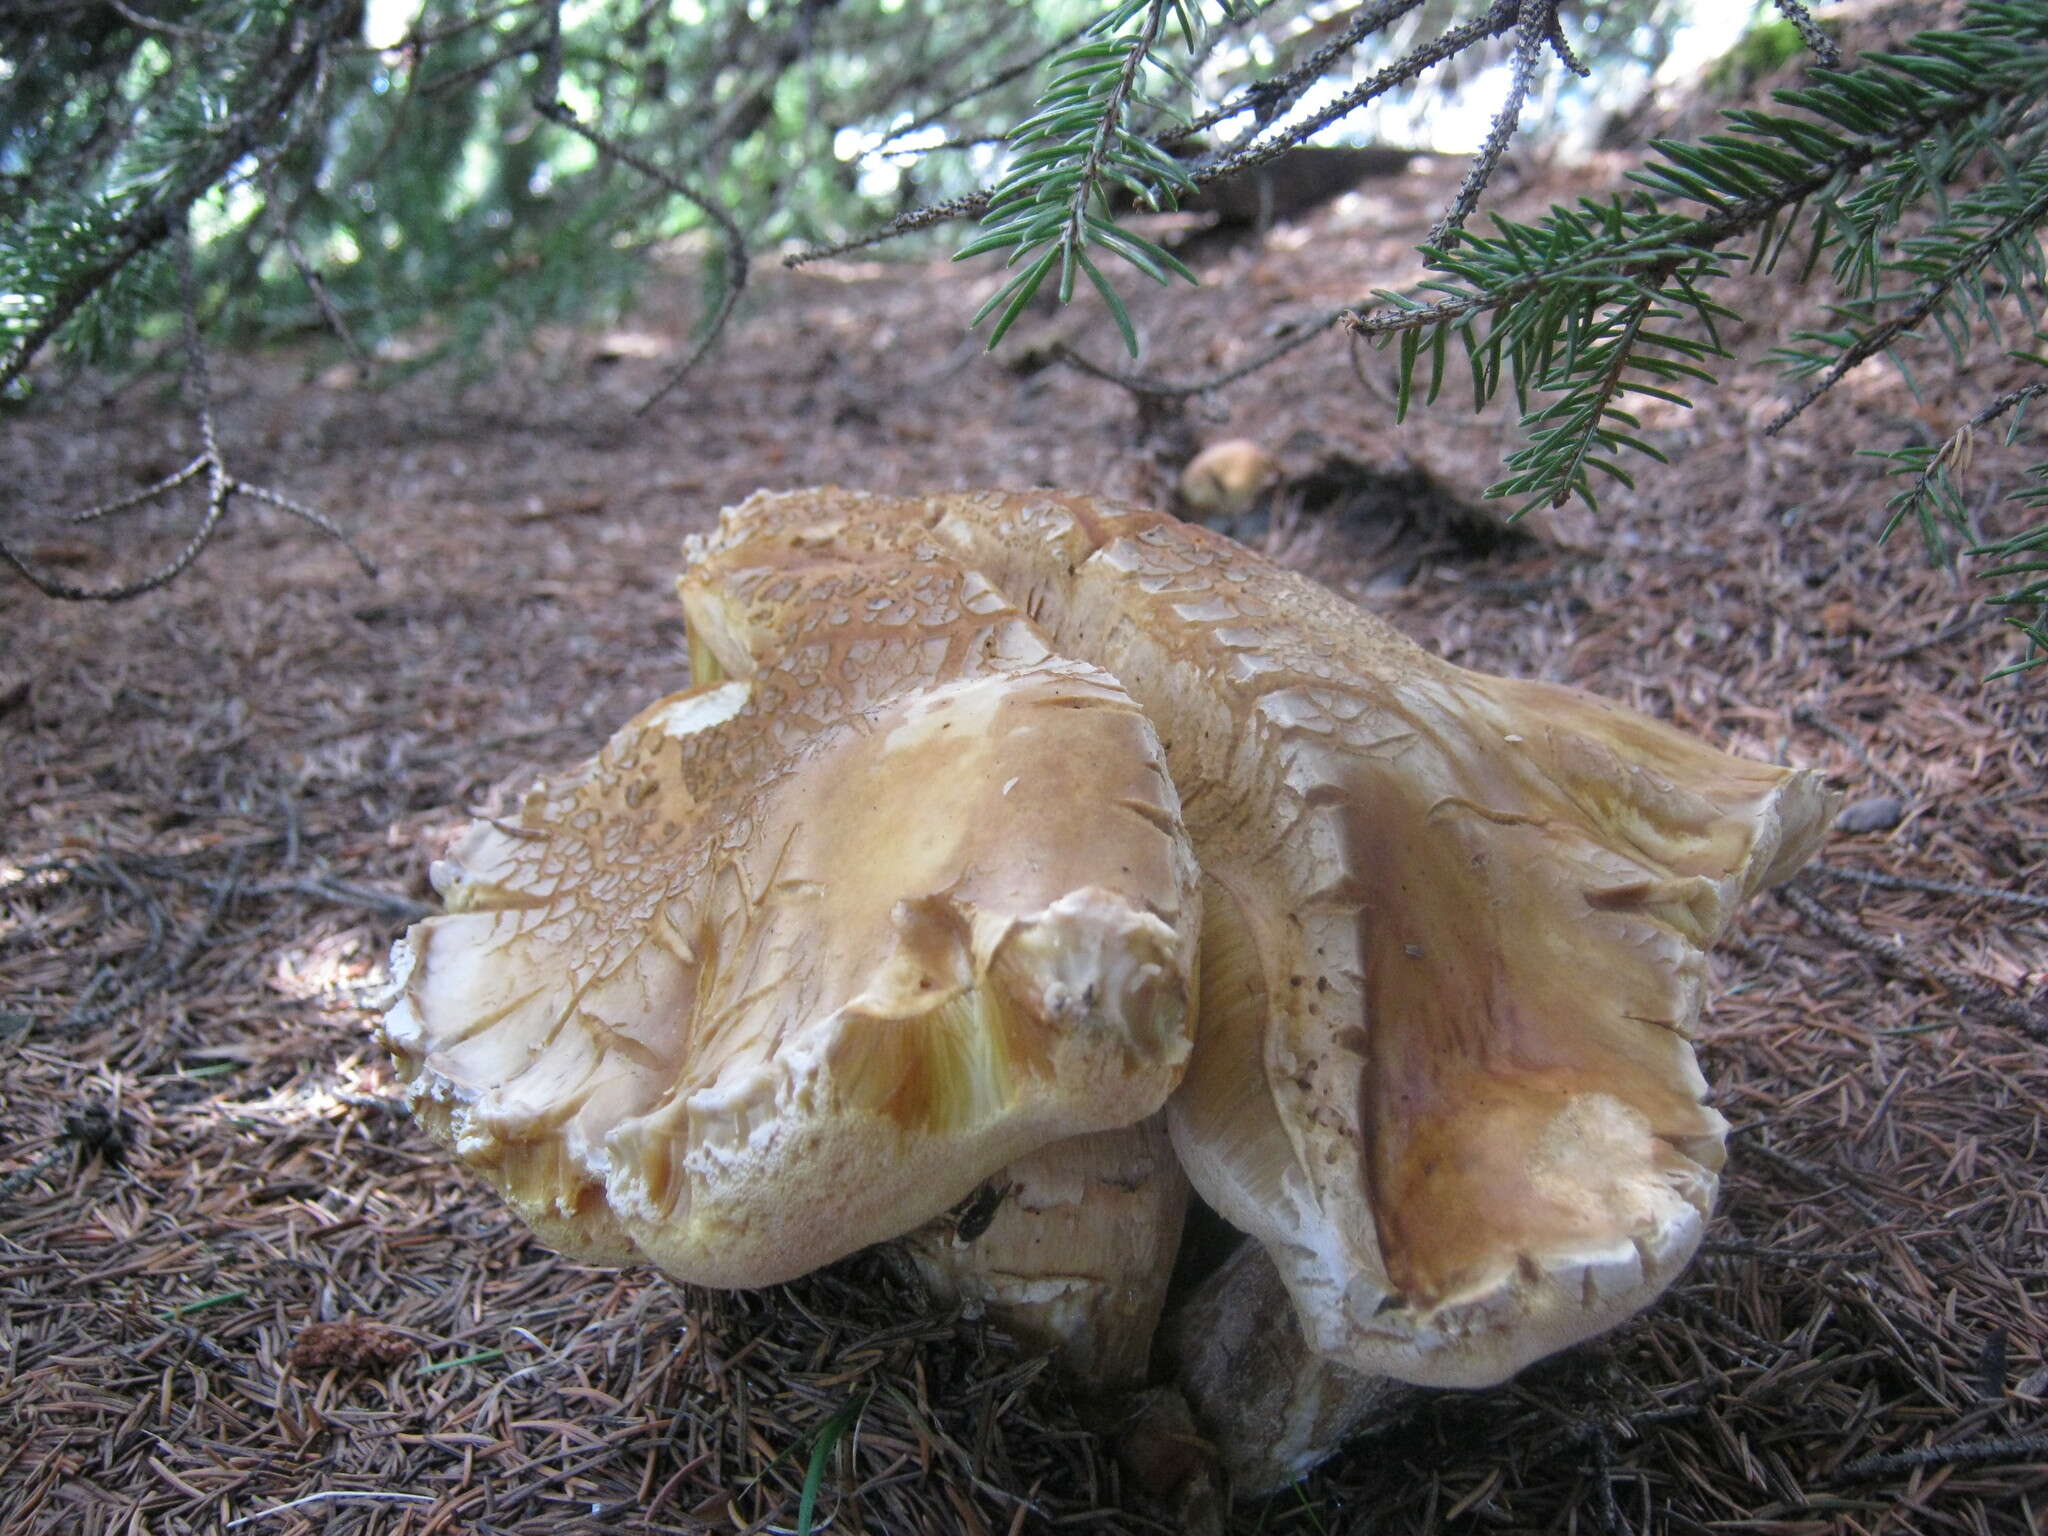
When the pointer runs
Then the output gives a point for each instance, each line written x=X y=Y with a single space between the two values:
x=804 y=955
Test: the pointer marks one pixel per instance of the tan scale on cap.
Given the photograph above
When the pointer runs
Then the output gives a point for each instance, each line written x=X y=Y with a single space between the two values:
x=1445 y=1072
x=806 y=954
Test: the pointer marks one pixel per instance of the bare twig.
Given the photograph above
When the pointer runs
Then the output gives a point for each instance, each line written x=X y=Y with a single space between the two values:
x=735 y=275
x=1890 y=882
x=1270 y=100
x=316 y=286
x=1780 y=1252
x=1941 y=636
x=21 y=1178
x=332 y=1496
x=1977 y=993
x=343 y=893
x=1962 y=1453
x=222 y=486
x=970 y=206
x=150 y=23
x=1534 y=29
x=996 y=81
x=1817 y=42
x=1500 y=19
x=1140 y=384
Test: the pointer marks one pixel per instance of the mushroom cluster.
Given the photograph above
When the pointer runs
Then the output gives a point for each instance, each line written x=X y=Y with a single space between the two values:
x=1017 y=861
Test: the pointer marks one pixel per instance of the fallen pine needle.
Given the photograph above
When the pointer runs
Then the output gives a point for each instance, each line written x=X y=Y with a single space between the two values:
x=328 y=1495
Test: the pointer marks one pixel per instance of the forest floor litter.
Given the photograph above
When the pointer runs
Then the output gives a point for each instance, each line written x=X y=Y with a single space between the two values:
x=239 y=1290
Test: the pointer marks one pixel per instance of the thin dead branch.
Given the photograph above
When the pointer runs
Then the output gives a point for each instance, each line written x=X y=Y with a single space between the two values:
x=733 y=279
x=1977 y=994
x=1961 y=1453
x=209 y=464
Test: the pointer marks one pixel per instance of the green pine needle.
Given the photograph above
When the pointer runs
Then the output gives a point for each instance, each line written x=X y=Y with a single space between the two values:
x=828 y=1438
x=1052 y=206
x=1604 y=300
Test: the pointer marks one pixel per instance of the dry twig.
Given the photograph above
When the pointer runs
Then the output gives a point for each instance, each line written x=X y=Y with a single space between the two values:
x=1977 y=994
x=209 y=464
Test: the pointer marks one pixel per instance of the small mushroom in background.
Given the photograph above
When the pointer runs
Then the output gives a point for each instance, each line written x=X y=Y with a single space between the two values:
x=1226 y=480
x=899 y=905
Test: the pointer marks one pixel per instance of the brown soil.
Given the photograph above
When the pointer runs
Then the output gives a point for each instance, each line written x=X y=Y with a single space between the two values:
x=236 y=1278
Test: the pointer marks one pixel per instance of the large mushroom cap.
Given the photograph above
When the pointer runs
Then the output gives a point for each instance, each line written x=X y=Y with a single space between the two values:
x=804 y=956
x=1455 y=948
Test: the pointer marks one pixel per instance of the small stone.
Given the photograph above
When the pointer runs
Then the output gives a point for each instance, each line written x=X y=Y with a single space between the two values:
x=1880 y=813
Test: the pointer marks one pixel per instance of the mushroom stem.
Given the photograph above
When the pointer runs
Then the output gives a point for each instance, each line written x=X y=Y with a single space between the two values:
x=1070 y=1249
x=1271 y=1405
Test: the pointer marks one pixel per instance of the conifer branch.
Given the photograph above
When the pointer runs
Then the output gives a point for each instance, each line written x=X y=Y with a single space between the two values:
x=77 y=251
x=1567 y=301
x=222 y=485
x=1052 y=206
x=1948 y=267
x=733 y=280
x=1499 y=19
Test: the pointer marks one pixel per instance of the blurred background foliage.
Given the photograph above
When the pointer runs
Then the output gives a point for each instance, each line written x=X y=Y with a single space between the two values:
x=379 y=165
x=422 y=178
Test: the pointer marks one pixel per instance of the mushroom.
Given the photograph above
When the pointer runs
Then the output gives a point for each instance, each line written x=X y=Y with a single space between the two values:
x=1227 y=479
x=1072 y=1247
x=804 y=956
x=1454 y=948
x=1273 y=1406
x=897 y=905
x=1455 y=939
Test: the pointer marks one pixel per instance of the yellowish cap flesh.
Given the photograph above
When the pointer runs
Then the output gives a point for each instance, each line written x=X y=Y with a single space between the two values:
x=805 y=955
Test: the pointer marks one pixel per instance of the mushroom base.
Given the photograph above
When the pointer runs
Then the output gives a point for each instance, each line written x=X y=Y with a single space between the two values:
x=1272 y=1407
x=1069 y=1249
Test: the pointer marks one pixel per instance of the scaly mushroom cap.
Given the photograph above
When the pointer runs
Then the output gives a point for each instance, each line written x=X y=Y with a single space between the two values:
x=805 y=955
x=1455 y=947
